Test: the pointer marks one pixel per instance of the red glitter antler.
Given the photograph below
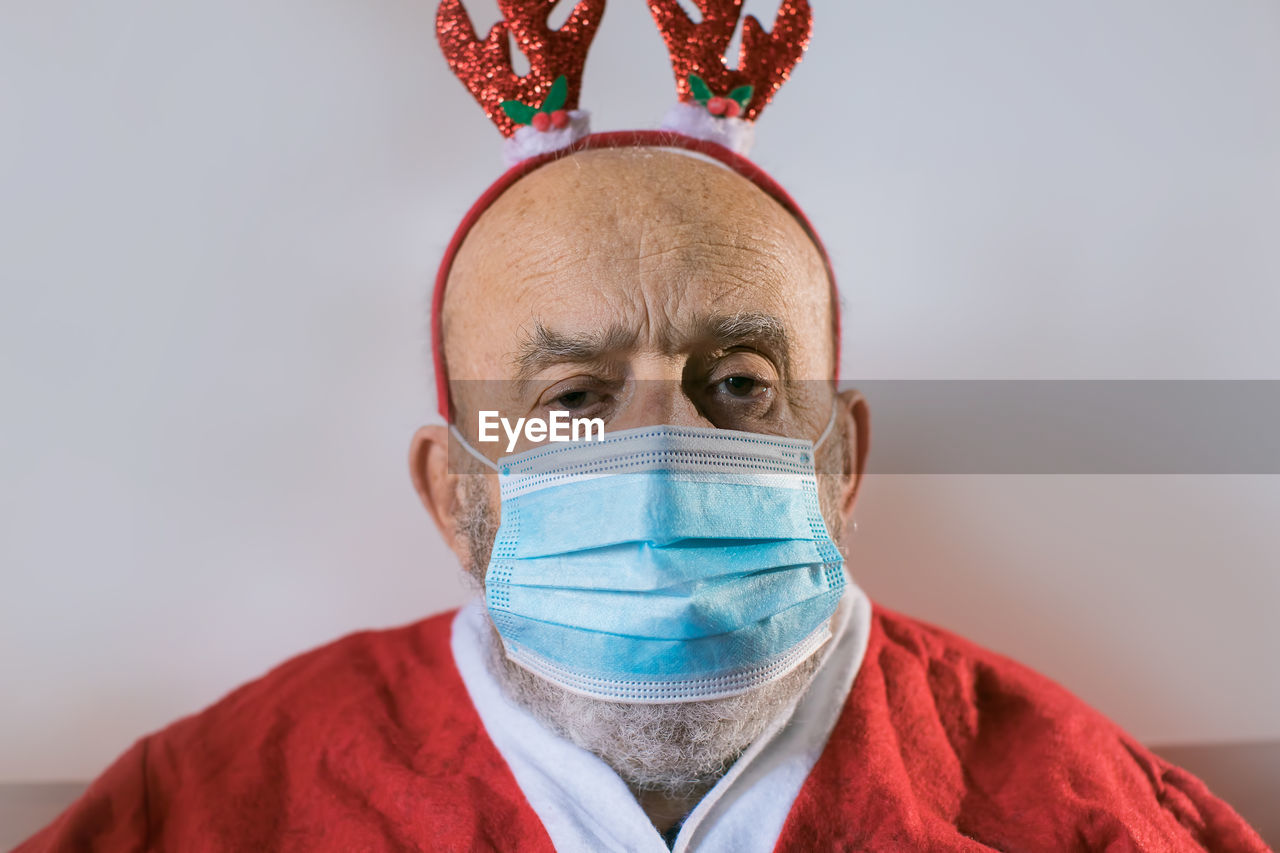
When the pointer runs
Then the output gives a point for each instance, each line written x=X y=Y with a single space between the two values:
x=764 y=60
x=484 y=67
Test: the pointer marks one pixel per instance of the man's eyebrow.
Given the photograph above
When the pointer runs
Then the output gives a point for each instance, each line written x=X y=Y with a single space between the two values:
x=543 y=347
x=757 y=329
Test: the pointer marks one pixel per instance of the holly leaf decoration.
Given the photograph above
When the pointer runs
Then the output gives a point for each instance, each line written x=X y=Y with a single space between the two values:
x=518 y=112
x=556 y=97
x=701 y=91
x=742 y=95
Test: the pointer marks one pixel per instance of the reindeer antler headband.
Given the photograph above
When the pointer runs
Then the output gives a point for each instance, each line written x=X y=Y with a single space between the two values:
x=538 y=112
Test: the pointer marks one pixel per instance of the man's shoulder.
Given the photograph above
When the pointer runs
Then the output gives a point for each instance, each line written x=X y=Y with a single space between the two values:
x=366 y=676
x=984 y=702
x=359 y=744
x=958 y=669
x=992 y=750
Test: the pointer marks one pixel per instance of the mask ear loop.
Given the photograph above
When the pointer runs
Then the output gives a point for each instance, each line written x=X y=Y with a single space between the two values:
x=453 y=430
x=835 y=409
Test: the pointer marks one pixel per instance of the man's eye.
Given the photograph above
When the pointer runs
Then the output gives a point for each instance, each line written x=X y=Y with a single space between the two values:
x=739 y=386
x=573 y=399
x=738 y=400
x=582 y=397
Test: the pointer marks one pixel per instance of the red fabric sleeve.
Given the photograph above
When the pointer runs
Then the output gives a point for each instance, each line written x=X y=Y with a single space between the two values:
x=943 y=745
x=1207 y=821
x=368 y=744
x=110 y=815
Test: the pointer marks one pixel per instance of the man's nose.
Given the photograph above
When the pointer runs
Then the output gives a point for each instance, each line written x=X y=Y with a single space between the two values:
x=658 y=397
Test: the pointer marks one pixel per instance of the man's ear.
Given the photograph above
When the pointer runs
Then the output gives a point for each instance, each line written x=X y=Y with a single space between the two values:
x=852 y=408
x=436 y=485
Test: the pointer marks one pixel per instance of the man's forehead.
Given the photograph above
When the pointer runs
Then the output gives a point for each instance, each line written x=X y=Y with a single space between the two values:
x=629 y=194
x=633 y=239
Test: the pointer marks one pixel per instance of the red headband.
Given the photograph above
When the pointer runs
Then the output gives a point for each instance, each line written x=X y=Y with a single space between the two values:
x=616 y=139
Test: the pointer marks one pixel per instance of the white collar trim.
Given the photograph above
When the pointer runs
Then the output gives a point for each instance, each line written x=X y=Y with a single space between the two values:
x=585 y=805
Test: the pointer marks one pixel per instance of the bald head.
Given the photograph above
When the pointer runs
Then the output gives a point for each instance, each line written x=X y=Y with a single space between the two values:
x=612 y=267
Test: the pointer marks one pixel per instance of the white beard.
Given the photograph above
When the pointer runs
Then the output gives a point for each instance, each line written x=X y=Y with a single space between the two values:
x=678 y=749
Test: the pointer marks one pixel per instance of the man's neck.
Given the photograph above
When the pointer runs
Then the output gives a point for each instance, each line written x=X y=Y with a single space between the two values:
x=668 y=811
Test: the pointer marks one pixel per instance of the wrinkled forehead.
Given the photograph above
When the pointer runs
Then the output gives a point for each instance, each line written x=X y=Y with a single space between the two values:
x=647 y=245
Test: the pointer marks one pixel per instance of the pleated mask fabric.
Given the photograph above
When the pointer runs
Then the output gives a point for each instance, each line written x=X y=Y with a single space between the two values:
x=664 y=563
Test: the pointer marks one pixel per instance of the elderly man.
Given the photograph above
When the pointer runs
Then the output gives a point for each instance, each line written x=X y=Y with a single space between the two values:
x=669 y=653
x=665 y=295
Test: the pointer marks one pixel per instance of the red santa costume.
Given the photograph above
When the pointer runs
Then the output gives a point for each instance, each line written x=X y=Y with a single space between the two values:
x=908 y=737
x=381 y=741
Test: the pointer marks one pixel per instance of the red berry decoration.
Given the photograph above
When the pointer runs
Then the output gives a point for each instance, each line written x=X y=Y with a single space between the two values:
x=541 y=122
x=560 y=119
x=723 y=106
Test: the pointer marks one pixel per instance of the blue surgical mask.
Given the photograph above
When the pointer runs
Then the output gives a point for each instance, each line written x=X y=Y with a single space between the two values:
x=663 y=564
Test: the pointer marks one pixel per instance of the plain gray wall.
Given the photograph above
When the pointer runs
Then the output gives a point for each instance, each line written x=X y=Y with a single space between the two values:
x=218 y=226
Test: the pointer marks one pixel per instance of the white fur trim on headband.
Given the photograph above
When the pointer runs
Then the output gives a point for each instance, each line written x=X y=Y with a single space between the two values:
x=529 y=142
x=693 y=120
